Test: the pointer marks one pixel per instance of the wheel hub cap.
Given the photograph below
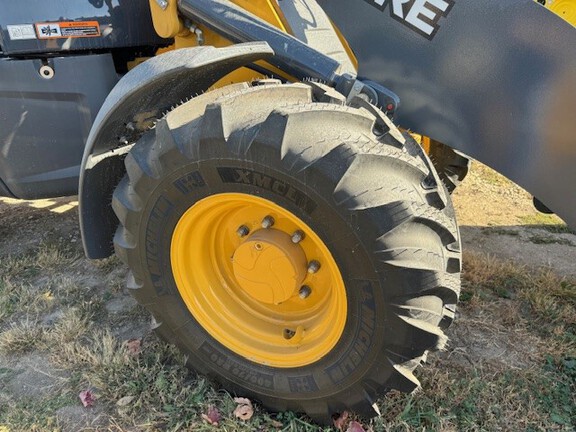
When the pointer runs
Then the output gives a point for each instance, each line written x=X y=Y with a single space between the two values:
x=269 y=266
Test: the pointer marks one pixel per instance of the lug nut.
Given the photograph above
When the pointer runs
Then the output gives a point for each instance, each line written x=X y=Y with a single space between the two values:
x=289 y=334
x=313 y=266
x=267 y=222
x=305 y=292
x=298 y=236
x=243 y=231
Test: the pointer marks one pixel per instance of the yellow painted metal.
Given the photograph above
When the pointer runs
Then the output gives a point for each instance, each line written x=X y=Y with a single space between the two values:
x=167 y=24
x=426 y=143
x=265 y=9
x=423 y=140
x=564 y=8
x=277 y=326
x=166 y=21
x=269 y=266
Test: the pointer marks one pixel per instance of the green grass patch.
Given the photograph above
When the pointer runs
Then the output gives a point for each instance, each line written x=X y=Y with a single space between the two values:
x=31 y=414
x=548 y=239
x=500 y=231
x=550 y=223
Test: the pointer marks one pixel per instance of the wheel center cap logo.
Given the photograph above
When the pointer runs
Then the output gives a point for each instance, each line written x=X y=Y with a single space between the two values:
x=422 y=16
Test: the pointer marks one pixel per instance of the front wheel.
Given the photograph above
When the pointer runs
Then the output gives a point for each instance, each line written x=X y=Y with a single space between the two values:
x=293 y=251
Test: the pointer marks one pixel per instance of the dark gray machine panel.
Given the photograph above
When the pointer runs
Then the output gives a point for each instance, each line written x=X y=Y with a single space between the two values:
x=495 y=79
x=41 y=26
x=44 y=123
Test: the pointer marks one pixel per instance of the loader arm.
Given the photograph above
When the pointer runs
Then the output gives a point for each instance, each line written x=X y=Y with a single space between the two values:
x=493 y=79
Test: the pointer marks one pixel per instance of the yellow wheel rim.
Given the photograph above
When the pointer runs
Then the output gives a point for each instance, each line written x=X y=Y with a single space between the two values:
x=258 y=280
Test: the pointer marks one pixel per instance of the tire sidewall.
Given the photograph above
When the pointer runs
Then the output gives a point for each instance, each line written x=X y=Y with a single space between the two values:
x=309 y=199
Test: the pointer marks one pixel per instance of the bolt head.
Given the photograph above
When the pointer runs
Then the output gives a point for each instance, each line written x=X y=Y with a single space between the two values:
x=305 y=292
x=162 y=3
x=313 y=267
x=242 y=231
x=298 y=236
x=267 y=222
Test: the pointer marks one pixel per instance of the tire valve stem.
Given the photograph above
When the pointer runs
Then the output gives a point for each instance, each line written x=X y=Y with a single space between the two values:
x=289 y=334
x=305 y=292
x=298 y=236
x=243 y=231
x=267 y=222
x=313 y=267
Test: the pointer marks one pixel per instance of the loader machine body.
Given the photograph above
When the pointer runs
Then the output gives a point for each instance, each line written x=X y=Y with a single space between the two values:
x=492 y=79
x=291 y=240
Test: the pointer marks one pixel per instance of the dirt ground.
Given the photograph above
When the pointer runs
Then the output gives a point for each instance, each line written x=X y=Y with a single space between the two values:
x=496 y=217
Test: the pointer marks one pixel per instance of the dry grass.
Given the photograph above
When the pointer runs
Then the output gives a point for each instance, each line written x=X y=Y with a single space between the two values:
x=510 y=363
x=21 y=337
x=16 y=297
x=546 y=301
x=71 y=327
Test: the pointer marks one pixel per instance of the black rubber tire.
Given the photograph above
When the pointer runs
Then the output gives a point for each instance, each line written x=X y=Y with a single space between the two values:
x=376 y=202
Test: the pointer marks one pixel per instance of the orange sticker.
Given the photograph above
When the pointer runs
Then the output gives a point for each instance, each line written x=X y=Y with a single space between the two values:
x=68 y=29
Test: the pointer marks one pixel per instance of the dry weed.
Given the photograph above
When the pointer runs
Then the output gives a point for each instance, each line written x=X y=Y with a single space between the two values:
x=21 y=337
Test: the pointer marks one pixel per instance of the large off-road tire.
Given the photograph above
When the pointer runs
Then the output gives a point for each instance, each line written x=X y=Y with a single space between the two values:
x=332 y=299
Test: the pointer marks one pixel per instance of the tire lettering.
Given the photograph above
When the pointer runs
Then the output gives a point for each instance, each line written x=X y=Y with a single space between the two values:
x=279 y=188
x=189 y=182
x=363 y=338
x=255 y=178
x=155 y=241
x=262 y=181
x=237 y=369
x=302 y=384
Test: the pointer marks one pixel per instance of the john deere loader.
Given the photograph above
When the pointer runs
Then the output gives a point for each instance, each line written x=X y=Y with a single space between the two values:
x=241 y=157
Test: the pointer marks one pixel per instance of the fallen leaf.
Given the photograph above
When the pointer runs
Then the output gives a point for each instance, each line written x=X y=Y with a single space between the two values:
x=212 y=416
x=355 y=427
x=244 y=410
x=341 y=421
x=126 y=400
x=134 y=346
x=87 y=398
x=276 y=424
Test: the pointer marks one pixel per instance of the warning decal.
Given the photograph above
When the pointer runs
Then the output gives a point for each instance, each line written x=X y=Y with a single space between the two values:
x=70 y=29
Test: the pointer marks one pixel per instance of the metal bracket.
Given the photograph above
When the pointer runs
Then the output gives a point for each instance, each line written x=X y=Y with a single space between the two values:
x=291 y=55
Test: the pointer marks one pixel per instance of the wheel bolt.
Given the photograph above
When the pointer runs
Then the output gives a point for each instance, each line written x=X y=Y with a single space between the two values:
x=298 y=236
x=313 y=266
x=243 y=231
x=305 y=292
x=289 y=334
x=267 y=222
